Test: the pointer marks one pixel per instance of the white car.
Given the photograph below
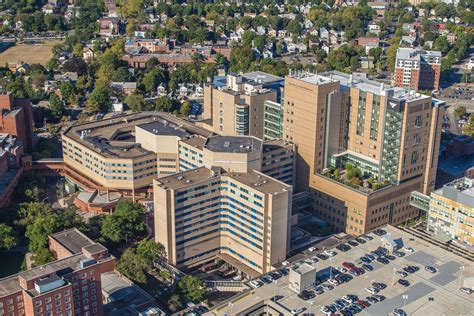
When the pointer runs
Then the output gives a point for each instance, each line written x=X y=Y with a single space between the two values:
x=237 y=278
x=347 y=299
x=409 y=249
x=341 y=269
x=330 y=253
x=255 y=284
x=372 y=290
x=466 y=290
x=333 y=282
x=297 y=310
x=311 y=249
x=324 y=310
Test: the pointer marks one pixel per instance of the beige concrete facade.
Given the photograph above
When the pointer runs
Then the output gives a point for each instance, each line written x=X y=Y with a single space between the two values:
x=127 y=153
x=204 y=214
x=237 y=108
x=391 y=134
x=451 y=212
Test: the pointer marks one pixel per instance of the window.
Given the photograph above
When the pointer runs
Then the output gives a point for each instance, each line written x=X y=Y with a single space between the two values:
x=418 y=121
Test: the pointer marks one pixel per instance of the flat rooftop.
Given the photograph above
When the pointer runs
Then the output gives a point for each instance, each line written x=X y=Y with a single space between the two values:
x=195 y=141
x=72 y=239
x=460 y=190
x=123 y=295
x=456 y=166
x=311 y=78
x=256 y=180
x=416 y=53
x=428 y=293
x=115 y=138
x=276 y=144
x=260 y=182
x=373 y=86
x=234 y=144
x=261 y=77
x=61 y=267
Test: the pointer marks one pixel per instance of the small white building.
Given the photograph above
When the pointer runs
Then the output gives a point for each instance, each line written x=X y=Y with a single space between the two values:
x=301 y=277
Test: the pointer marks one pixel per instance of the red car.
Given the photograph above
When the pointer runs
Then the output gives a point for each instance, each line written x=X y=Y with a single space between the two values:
x=348 y=265
x=363 y=303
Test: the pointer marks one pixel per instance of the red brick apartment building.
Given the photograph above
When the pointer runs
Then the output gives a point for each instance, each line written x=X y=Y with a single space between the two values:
x=69 y=286
x=417 y=69
x=16 y=118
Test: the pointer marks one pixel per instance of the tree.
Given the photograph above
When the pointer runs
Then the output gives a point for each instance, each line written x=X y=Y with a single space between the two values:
x=150 y=250
x=460 y=111
x=165 y=104
x=76 y=64
x=30 y=211
x=152 y=79
x=133 y=266
x=67 y=91
x=191 y=287
x=42 y=256
x=56 y=106
x=7 y=238
x=186 y=108
x=125 y=223
x=135 y=102
x=294 y=27
x=174 y=302
x=99 y=99
x=39 y=230
x=441 y=44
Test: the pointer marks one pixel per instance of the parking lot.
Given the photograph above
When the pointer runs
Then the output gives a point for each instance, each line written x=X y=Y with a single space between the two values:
x=427 y=294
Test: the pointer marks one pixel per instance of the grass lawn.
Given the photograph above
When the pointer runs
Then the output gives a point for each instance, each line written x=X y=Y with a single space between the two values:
x=11 y=263
x=39 y=53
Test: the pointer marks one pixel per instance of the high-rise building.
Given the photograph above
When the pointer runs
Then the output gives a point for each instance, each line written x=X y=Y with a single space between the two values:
x=233 y=105
x=275 y=158
x=206 y=214
x=417 y=69
x=273 y=120
x=362 y=147
x=68 y=286
x=451 y=212
x=125 y=154
x=16 y=118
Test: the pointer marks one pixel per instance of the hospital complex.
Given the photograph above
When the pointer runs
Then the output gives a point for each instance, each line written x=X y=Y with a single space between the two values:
x=222 y=187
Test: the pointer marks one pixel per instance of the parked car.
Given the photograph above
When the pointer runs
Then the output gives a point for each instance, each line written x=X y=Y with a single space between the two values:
x=408 y=249
x=403 y=282
x=399 y=312
x=372 y=290
x=368 y=267
x=430 y=269
x=353 y=243
x=255 y=284
x=321 y=256
x=330 y=253
x=403 y=274
x=297 y=310
x=311 y=249
x=466 y=290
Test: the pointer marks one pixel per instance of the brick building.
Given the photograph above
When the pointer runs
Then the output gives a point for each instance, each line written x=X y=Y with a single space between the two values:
x=16 y=118
x=69 y=286
x=417 y=69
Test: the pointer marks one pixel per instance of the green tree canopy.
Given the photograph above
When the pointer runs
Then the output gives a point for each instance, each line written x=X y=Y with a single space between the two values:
x=136 y=102
x=133 y=266
x=7 y=237
x=125 y=223
x=191 y=288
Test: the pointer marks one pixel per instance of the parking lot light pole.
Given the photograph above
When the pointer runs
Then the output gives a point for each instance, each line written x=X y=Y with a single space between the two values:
x=460 y=277
x=405 y=297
